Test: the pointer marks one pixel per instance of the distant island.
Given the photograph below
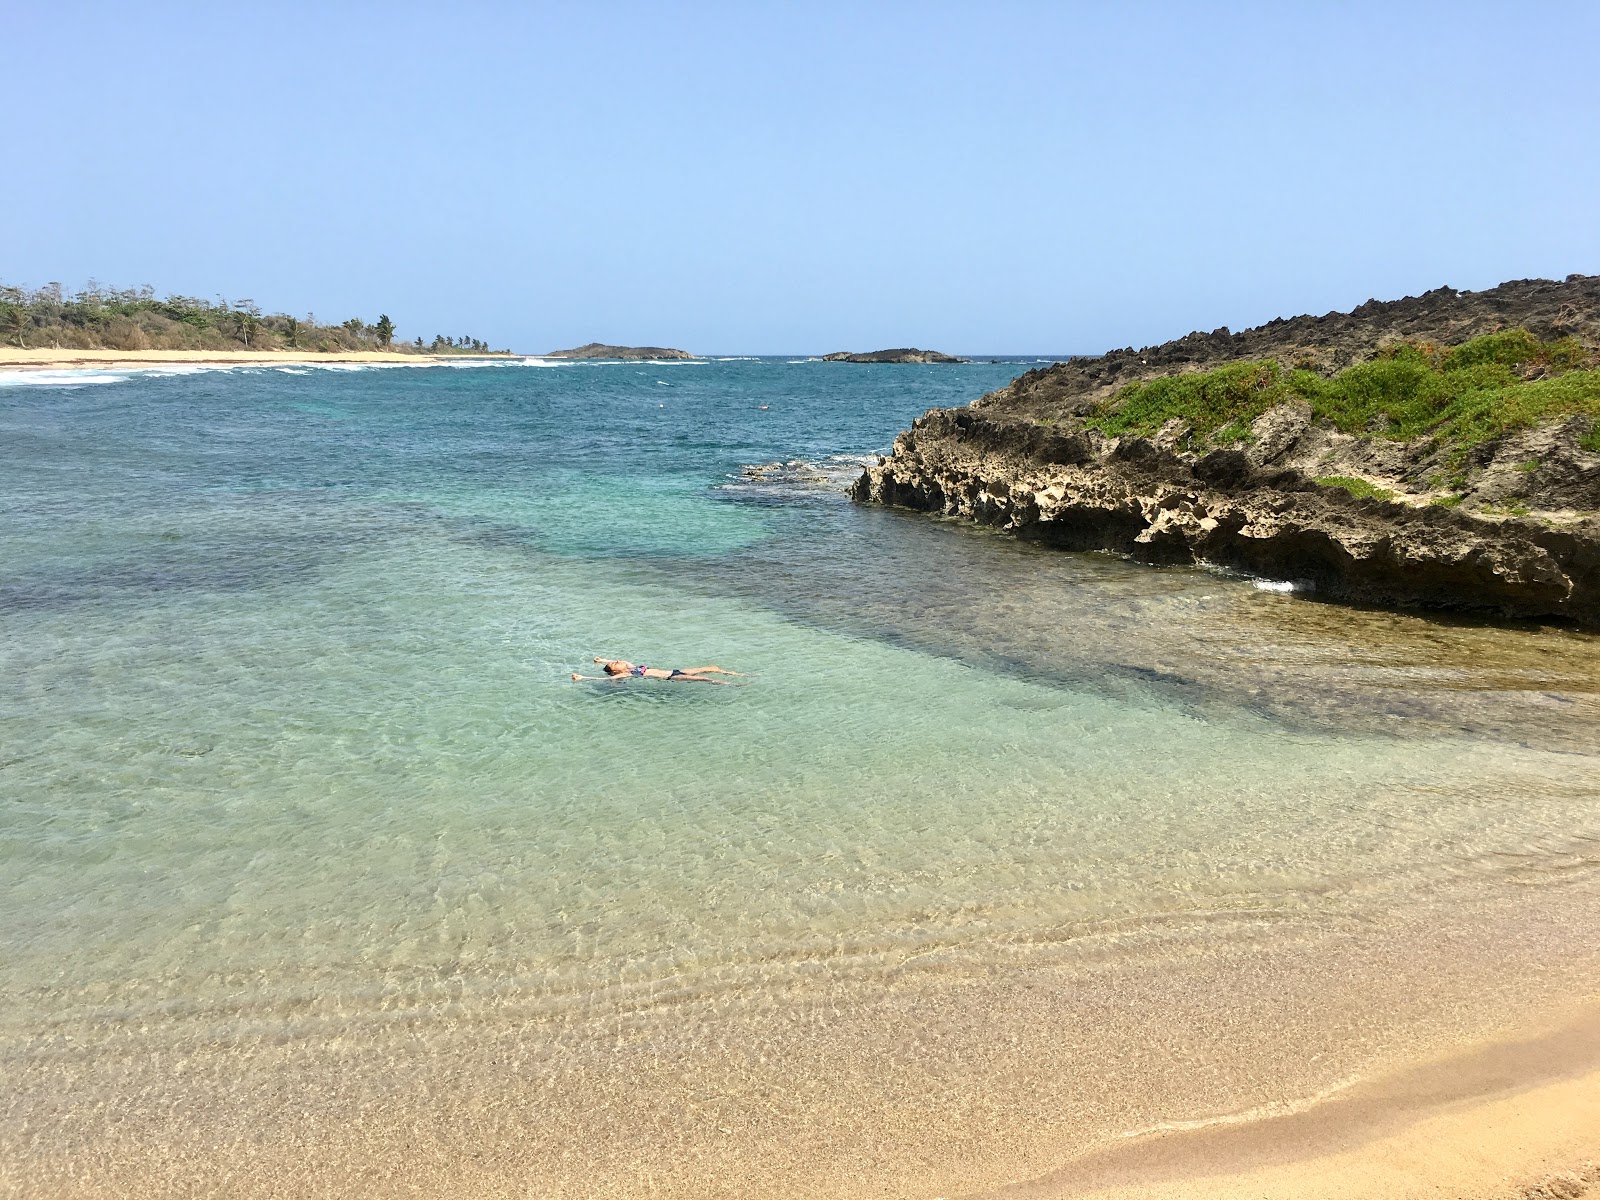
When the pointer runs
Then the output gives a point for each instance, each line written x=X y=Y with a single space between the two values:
x=904 y=355
x=640 y=353
x=134 y=320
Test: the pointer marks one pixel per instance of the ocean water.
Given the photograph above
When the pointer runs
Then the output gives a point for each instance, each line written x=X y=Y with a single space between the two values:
x=317 y=867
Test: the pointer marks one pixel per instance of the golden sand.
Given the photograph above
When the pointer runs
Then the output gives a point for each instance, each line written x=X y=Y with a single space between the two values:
x=1442 y=1051
x=1507 y=1119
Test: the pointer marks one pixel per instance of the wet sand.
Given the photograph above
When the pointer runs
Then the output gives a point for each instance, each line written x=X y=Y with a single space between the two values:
x=1538 y=1144
x=1499 y=1120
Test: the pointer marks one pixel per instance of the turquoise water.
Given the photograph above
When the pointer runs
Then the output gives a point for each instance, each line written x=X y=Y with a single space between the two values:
x=290 y=747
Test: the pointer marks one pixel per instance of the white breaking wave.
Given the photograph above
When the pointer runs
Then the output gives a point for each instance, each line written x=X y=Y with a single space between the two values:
x=78 y=376
x=172 y=370
x=56 y=378
x=1285 y=586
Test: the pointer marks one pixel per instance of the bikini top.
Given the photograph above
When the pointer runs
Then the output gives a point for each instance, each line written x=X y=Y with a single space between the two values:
x=638 y=669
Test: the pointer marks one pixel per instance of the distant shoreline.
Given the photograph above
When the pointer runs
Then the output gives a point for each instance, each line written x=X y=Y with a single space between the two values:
x=13 y=358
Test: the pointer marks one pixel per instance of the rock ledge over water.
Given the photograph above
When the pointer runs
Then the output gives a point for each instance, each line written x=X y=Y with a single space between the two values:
x=1518 y=533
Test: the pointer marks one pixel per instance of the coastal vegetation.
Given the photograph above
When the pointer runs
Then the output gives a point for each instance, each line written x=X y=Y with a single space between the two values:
x=102 y=318
x=1460 y=396
x=600 y=350
x=1360 y=488
x=905 y=354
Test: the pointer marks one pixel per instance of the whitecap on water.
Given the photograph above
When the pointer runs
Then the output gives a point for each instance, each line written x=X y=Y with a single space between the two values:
x=56 y=378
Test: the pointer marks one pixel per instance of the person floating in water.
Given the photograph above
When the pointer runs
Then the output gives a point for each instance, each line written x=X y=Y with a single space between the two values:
x=621 y=668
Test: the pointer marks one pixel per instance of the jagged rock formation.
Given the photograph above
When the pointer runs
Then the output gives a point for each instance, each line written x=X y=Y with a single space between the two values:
x=903 y=355
x=599 y=350
x=1515 y=541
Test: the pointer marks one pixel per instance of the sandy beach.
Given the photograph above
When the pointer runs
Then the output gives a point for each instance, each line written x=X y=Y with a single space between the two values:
x=1498 y=1121
x=16 y=358
x=1535 y=1145
x=1503 y=1121
x=1172 y=1078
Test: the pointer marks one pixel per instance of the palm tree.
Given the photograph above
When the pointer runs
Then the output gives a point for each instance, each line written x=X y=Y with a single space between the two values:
x=384 y=329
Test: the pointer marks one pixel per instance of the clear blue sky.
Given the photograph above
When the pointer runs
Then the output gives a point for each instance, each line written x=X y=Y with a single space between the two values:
x=808 y=177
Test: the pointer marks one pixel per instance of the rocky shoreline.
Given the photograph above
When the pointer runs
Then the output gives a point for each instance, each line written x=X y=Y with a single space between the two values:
x=1356 y=517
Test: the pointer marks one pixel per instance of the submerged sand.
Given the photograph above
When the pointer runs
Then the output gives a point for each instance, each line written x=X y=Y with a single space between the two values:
x=1366 y=1060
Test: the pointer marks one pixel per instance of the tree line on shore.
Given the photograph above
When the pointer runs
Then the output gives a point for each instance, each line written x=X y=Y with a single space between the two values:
x=102 y=318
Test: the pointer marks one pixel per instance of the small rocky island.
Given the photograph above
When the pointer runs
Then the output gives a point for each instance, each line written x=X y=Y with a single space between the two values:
x=904 y=355
x=636 y=353
x=1442 y=450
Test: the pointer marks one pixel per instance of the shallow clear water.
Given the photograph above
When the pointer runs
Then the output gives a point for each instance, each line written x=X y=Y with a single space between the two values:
x=290 y=748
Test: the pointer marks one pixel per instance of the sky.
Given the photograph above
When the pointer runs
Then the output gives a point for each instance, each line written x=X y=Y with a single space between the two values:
x=801 y=178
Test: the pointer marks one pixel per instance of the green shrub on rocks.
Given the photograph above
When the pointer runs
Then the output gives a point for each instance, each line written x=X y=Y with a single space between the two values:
x=1358 y=488
x=1462 y=395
